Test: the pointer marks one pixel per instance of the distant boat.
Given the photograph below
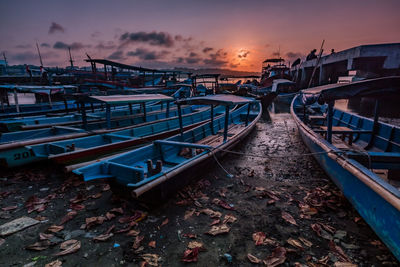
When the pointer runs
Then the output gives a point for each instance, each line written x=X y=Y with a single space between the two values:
x=177 y=157
x=361 y=155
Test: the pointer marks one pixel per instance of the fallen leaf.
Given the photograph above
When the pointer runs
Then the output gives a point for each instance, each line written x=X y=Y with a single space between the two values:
x=151 y=259
x=133 y=233
x=305 y=242
x=95 y=196
x=259 y=238
x=152 y=244
x=70 y=215
x=68 y=247
x=164 y=222
x=2 y=241
x=136 y=244
x=190 y=235
x=287 y=217
x=56 y=263
x=103 y=237
x=110 y=215
x=317 y=228
x=216 y=221
x=94 y=220
x=117 y=210
x=295 y=243
x=229 y=218
x=75 y=206
x=220 y=229
x=253 y=259
x=344 y=264
x=223 y=204
x=191 y=255
x=38 y=246
x=195 y=244
x=43 y=236
x=328 y=228
x=277 y=257
x=78 y=198
x=338 y=251
x=40 y=218
x=188 y=214
x=9 y=208
x=211 y=213
x=55 y=228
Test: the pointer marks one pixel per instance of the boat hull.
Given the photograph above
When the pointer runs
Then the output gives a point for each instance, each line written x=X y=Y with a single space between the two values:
x=360 y=186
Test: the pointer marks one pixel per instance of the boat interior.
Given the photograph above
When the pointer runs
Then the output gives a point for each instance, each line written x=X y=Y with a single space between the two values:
x=375 y=145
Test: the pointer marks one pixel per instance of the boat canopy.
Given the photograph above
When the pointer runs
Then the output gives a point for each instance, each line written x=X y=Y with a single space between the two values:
x=221 y=99
x=43 y=90
x=127 y=99
x=366 y=88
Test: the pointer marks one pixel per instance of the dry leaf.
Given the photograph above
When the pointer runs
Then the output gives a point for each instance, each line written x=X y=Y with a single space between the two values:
x=55 y=228
x=220 y=229
x=338 y=251
x=43 y=236
x=151 y=259
x=117 y=210
x=136 y=244
x=211 y=213
x=217 y=221
x=188 y=214
x=190 y=255
x=164 y=222
x=344 y=264
x=287 y=217
x=195 y=244
x=152 y=244
x=277 y=257
x=305 y=242
x=103 y=237
x=68 y=247
x=38 y=246
x=253 y=259
x=259 y=238
x=295 y=243
x=56 y=263
x=133 y=233
x=229 y=218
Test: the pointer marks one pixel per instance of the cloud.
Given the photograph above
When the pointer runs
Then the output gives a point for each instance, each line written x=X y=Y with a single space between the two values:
x=25 y=56
x=190 y=60
x=276 y=54
x=95 y=34
x=217 y=59
x=117 y=55
x=23 y=46
x=294 y=55
x=73 y=46
x=153 y=38
x=145 y=54
x=55 y=27
x=106 y=46
x=193 y=54
x=243 y=53
x=45 y=45
x=233 y=66
x=207 y=49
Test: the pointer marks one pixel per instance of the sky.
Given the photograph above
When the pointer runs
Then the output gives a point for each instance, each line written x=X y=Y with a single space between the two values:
x=229 y=34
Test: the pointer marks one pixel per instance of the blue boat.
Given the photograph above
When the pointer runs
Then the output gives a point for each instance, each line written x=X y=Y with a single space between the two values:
x=361 y=155
x=91 y=147
x=181 y=154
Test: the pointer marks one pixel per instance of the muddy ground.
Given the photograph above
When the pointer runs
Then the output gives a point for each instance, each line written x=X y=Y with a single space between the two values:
x=276 y=208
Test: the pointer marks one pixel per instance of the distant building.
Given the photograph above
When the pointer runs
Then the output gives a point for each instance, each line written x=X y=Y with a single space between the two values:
x=3 y=67
x=369 y=61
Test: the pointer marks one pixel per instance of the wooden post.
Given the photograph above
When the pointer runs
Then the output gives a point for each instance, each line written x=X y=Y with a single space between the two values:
x=105 y=71
x=212 y=119
x=144 y=112
x=49 y=97
x=92 y=107
x=66 y=105
x=375 y=126
x=248 y=113
x=153 y=78
x=330 y=121
x=84 y=118
x=16 y=100
x=226 y=123
x=130 y=108
x=168 y=109
x=180 y=120
x=108 y=116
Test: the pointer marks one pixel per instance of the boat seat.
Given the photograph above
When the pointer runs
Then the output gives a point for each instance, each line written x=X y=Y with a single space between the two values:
x=378 y=160
x=118 y=136
x=344 y=131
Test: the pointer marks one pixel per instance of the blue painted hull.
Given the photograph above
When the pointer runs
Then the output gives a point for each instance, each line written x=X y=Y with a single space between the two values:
x=374 y=199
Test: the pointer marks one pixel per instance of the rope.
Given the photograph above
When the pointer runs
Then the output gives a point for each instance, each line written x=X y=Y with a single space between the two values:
x=222 y=167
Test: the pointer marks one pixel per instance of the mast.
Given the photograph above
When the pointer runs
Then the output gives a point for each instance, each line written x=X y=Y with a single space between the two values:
x=70 y=58
x=40 y=56
x=5 y=61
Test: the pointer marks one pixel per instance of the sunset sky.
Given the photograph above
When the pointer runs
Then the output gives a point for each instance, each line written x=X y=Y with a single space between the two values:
x=232 y=34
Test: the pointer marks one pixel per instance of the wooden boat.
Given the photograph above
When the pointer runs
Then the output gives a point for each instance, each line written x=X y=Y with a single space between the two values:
x=180 y=154
x=361 y=155
x=88 y=148
x=38 y=122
